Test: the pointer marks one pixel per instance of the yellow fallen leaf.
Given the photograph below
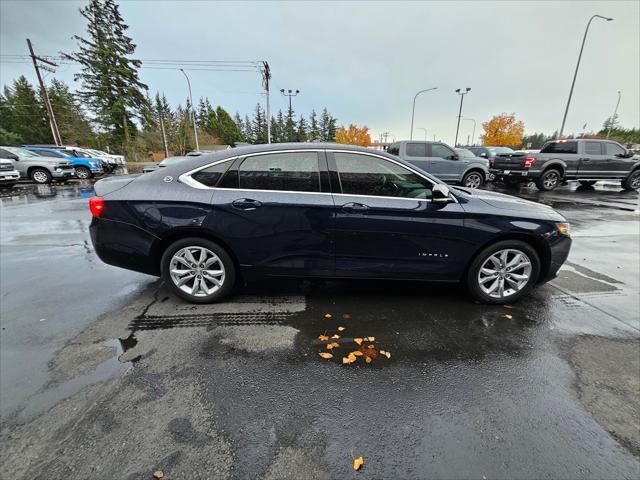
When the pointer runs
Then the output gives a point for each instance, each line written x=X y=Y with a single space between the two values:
x=340 y=329
x=352 y=357
x=508 y=317
x=385 y=353
x=336 y=336
x=346 y=360
x=158 y=474
x=327 y=315
x=358 y=340
x=371 y=339
x=357 y=463
x=357 y=353
x=333 y=345
x=367 y=359
x=371 y=346
x=323 y=338
x=325 y=355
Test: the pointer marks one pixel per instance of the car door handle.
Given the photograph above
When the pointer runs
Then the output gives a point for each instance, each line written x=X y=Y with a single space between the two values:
x=246 y=204
x=585 y=159
x=354 y=207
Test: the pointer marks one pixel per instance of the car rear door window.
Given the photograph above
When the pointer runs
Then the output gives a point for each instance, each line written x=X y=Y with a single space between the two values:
x=416 y=149
x=394 y=149
x=438 y=150
x=211 y=175
x=294 y=171
x=593 y=148
x=361 y=174
x=560 y=147
x=614 y=149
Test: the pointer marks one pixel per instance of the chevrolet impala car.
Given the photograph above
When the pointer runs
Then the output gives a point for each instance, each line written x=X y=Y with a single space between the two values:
x=320 y=210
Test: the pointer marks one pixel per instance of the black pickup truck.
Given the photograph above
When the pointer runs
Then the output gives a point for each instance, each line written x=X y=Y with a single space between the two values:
x=585 y=160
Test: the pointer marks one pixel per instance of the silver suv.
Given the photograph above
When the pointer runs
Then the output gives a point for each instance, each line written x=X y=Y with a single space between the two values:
x=37 y=168
x=439 y=159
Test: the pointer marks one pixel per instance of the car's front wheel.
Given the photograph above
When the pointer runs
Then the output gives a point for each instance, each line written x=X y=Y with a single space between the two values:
x=632 y=182
x=503 y=272
x=40 y=175
x=549 y=180
x=83 y=173
x=198 y=270
x=473 y=180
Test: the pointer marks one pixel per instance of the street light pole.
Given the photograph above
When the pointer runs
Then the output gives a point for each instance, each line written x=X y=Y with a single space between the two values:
x=575 y=74
x=613 y=117
x=425 y=132
x=462 y=94
x=413 y=111
x=193 y=114
x=289 y=93
x=473 y=135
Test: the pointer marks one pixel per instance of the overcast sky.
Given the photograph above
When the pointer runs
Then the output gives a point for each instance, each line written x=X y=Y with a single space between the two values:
x=364 y=61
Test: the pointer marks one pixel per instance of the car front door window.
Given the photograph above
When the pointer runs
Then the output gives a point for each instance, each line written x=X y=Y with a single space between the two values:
x=441 y=151
x=373 y=176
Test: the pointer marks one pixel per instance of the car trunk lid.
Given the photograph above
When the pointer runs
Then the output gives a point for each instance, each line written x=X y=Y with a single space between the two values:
x=111 y=184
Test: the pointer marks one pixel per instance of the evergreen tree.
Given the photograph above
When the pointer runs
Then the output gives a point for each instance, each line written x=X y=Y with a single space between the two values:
x=248 y=130
x=225 y=129
x=325 y=123
x=332 y=130
x=280 y=127
x=274 y=130
x=259 y=126
x=238 y=120
x=111 y=88
x=74 y=127
x=290 y=127
x=610 y=122
x=301 y=134
x=314 y=129
x=23 y=115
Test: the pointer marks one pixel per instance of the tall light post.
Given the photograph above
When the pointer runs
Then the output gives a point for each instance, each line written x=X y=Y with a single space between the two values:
x=615 y=112
x=575 y=74
x=473 y=135
x=413 y=111
x=425 y=132
x=462 y=94
x=193 y=111
x=289 y=93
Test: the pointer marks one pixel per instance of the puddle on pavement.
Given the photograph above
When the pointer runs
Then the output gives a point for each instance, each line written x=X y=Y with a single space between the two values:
x=113 y=367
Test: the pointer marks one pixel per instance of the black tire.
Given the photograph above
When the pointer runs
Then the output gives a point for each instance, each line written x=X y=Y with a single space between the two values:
x=83 y=173
x=40 y=175
x=587 y=183
x=475 y=178
x=549 y=180
x=632 y=182
x=229 y=278
x=473 y=283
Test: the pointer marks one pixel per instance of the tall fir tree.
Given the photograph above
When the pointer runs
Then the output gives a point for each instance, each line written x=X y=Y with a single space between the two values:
x=23 y=115
x=314 y=130
x=111 y=88
x=259 y=125
x=274 y=130
x=301 y=133
x=73 y=124
x=238 y=120
x=325 y=122
x=248 y=130
x=290 y=134
x=280 y=127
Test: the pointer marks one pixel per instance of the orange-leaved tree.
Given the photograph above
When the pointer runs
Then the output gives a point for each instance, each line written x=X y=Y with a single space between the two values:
x=354 y=135
x=503 y=131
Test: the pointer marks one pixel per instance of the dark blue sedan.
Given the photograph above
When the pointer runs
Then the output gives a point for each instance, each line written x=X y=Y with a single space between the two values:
x=321 y=210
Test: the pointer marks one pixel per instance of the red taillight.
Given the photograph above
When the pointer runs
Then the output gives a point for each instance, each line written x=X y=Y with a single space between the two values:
x=529 y=161
x=96 y=205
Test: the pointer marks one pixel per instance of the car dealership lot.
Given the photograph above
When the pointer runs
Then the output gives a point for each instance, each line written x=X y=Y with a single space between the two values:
x=105 y=373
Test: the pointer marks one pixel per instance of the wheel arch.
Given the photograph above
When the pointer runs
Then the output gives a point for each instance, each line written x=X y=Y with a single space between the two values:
x=539 y=245
x=477 y=169
x=556 y=165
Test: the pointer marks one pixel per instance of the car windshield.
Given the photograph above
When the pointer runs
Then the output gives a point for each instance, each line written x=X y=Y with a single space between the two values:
x=81 y=154
x=21 y=152
x=500 y=150
x=170 y=161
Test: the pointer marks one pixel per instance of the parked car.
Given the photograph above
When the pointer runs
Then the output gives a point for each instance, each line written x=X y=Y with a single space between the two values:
x=40 y=169
x=9 y=176
x=166 y=162
x=117 y=160
x=320 y=210
x=108 y=165
x=585 y=160
x=490 y=153
x=84 y=167
x=441 y=160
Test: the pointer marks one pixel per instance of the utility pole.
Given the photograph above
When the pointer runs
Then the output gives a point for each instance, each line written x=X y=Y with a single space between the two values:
x=266 y=76
x=164 y=136
x=413 y=110
x=613 y=117
x=193 y=112
x=462 y=94
x=52 y=119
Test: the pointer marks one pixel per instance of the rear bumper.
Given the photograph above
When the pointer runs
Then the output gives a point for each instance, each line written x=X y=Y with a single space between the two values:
x=506 y=174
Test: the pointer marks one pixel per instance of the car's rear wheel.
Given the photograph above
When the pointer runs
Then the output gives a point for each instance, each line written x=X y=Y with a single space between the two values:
x=503 y=272
x=632 y=182
x=198 y=270
x=83 y=173
x=40 y=175
x=473 y=180
x=549 y=180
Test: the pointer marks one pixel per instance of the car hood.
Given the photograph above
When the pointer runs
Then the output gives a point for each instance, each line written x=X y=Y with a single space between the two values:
x=481 y=199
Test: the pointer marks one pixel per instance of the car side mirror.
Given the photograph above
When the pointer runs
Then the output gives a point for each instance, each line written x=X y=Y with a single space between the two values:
x=452 y=157
x=440 y=193
x=14 y=157
x=483 y=155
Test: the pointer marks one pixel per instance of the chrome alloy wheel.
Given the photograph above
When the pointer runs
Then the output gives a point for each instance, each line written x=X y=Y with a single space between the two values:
x=197 y=271
x=635 y=182
x=551 y=179
x=40 y=177
x=473 y=180
x=82 y=173
x=504 y=273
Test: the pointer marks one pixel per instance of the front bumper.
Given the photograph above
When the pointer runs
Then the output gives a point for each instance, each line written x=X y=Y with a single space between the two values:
x=9 y=176
x=560 y=247
x=63 y=173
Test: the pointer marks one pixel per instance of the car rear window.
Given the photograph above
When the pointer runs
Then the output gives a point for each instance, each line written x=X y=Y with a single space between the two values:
x=416 y=149
x=560 y=147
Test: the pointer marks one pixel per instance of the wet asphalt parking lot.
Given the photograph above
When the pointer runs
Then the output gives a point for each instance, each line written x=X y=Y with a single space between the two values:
x=103 y=373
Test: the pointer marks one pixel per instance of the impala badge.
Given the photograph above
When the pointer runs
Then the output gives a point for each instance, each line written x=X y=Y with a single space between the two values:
x=168 y=179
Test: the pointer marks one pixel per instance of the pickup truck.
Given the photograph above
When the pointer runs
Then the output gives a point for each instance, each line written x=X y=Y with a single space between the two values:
x=585 y=160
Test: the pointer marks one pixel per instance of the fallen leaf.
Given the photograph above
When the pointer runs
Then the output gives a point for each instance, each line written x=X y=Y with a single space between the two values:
x=385 y=353
x=346 y=316
x=349 y=359
x=357 y=463
x=159 y=474
x=371 y=339
x=357 y=353
x=327 y=315
x=358 y=340
x=367 y=359
x=508 y=317
x=333 y=345
x=325 y=355
x=352 y=357
x=336 y=336
x=323 y=338
x=340 y=329
x=508 y=306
